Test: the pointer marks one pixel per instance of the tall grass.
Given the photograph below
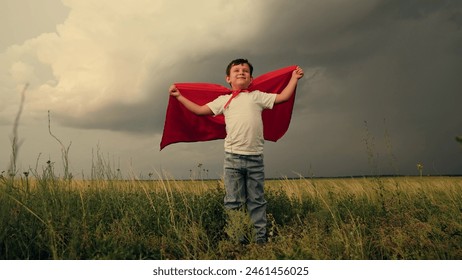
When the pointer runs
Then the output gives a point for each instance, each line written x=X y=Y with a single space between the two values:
x=44 y=217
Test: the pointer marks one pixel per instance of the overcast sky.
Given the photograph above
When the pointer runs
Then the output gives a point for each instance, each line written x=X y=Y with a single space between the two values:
x=382 y=89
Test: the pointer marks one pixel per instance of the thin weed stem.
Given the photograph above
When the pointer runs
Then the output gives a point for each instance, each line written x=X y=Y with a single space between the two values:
x=15 y=138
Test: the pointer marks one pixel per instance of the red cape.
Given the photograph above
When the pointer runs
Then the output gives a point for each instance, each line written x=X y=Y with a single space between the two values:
x=181 y=125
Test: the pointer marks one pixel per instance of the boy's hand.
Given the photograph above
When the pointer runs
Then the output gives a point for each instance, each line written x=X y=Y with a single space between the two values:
x=297 y=73
x=173 y=91
x=287 y=92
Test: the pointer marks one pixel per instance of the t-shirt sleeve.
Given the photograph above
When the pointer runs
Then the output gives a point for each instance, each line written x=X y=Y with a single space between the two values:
x=217 y=105
x=266 y=99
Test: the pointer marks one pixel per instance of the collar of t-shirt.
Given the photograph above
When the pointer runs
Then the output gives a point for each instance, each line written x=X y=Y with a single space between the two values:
x=234 y=94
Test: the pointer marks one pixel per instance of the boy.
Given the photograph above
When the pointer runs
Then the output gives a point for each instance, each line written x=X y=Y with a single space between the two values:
x=243 y=165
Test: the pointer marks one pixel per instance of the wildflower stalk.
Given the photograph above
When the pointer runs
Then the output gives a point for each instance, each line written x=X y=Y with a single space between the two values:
x=64 y=151
x=15 y=144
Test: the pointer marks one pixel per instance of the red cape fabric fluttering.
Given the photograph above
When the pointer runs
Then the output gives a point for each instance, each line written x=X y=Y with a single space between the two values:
x=181 y=125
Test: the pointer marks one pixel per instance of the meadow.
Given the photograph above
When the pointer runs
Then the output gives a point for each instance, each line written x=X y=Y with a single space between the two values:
x=46 y=217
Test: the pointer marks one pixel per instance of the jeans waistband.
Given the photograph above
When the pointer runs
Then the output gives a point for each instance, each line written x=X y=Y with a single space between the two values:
x=243 y=156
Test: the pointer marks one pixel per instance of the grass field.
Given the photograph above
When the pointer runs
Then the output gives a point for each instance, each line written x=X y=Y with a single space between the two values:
x=44 y=217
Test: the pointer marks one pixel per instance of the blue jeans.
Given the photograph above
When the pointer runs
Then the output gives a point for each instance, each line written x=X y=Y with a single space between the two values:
x=244 y=179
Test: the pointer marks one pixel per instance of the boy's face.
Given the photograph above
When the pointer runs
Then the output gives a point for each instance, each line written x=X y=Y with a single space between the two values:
x=239 y=76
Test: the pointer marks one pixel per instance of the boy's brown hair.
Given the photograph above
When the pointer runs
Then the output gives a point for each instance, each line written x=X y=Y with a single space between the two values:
x=238 y=61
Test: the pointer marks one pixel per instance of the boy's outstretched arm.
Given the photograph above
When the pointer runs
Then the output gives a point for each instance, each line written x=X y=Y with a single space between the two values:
x=287 y=92
x=191 y=106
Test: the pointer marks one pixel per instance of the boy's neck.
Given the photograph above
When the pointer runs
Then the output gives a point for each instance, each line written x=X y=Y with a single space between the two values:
x=238 y=88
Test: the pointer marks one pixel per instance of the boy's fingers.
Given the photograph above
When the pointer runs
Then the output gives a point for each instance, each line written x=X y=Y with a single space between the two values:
x=172 y=89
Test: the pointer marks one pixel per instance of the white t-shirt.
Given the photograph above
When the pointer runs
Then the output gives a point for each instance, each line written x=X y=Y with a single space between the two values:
x=244 y=125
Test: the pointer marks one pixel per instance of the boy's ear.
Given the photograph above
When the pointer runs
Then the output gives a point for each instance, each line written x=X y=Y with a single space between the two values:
x=227 y=79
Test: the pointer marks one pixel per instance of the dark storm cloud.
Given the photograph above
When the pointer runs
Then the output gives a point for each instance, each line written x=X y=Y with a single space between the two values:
x=393 y=66
x=138 y=118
